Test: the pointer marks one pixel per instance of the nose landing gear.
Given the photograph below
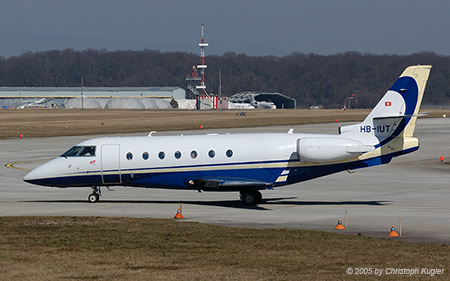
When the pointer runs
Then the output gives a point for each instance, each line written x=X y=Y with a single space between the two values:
x=95 y=195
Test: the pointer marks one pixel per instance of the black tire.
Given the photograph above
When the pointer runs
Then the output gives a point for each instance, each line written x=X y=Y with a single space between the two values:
x=248 y=199
x=93 y=198
x=252 y=198
x=258 y=196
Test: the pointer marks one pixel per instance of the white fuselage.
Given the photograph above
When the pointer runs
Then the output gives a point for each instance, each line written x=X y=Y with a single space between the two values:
x=171 y=161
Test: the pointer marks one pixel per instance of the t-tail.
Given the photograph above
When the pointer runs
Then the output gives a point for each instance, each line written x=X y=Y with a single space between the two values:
x=389 y=127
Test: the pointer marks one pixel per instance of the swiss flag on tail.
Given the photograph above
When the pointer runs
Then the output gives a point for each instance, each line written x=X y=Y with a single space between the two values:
x=388 y=103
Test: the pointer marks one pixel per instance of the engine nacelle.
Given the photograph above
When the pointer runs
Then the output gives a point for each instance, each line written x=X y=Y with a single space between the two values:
x=328 y=149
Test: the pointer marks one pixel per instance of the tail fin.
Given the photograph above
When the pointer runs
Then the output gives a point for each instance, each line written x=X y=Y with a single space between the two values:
x=396 y=113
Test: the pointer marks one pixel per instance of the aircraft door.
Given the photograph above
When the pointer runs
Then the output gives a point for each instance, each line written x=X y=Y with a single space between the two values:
x=111 y=164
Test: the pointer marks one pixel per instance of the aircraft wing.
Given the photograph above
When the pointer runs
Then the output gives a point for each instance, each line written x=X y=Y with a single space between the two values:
x=226 y=183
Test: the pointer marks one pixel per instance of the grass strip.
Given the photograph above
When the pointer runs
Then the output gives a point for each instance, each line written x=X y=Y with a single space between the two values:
x=97 y=248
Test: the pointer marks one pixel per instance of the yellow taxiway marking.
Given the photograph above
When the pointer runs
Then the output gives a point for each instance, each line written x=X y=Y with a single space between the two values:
x=12 y=164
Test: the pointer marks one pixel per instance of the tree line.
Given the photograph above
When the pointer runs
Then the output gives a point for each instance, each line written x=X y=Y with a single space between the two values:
x=309 y=78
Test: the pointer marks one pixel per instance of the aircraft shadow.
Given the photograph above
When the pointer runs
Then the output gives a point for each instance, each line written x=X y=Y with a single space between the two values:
x=227 y=204
x=278 y=201
x=232 y=203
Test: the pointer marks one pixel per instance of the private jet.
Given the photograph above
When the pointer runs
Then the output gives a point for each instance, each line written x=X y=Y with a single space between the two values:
x=244 y=163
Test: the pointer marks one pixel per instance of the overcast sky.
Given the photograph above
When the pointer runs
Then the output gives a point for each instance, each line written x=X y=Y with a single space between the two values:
x=257 y=27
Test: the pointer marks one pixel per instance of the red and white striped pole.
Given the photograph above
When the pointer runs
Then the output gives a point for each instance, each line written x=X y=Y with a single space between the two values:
x=202 y=65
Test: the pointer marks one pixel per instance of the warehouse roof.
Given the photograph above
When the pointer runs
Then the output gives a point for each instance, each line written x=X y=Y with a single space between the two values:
x=175 y=92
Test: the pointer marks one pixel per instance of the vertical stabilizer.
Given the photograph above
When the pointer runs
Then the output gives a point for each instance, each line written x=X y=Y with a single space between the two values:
x=396 y=113
x=420 y=75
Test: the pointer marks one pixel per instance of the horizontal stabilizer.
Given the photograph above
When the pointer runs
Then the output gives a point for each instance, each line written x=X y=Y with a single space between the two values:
x=401 y=116
x=393 y=117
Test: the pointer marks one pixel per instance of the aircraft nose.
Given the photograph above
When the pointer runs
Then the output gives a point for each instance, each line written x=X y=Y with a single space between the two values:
x=43 y=174
x=33 y=176
x=28 y=177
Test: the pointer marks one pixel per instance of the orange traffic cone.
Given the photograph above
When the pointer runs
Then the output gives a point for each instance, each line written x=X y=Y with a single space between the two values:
x=393 y=233
x=339 y=225
x=178 y=215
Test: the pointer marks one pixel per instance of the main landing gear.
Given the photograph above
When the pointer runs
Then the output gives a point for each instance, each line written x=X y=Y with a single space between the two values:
x=95 y=195
x=251 y=197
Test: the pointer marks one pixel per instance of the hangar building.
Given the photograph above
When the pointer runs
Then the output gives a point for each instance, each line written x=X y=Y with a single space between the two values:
x=12 y=97
x=263 y=100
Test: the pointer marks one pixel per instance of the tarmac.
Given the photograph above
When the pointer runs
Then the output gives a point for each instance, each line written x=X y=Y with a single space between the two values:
x=414 y=188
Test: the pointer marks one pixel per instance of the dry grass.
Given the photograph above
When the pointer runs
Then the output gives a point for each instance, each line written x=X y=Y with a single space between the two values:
x=66 y=122
x=51 y=122
x=91 y=248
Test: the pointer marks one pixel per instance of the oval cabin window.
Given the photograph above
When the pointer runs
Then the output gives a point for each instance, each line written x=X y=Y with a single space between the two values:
x=129 y=156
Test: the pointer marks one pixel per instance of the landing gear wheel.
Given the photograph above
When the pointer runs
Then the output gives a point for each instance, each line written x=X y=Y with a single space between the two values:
x=95 y=195
x=251 y=198
x=93 y=198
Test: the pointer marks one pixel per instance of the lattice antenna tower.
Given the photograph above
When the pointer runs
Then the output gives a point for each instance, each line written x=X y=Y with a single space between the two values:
x=202 y=66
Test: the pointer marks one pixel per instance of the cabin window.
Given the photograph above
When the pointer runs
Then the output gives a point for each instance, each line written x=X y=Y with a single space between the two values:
x=161 y=155
x=80 y=151
x=211 y=153
x=229 y=153
x=194 y=154
x=177 y=155
x=145 y=155
x=129 y=156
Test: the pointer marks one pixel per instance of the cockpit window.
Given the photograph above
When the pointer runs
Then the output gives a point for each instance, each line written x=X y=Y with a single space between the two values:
x=72 y=152
x=80 y=151
x=87 y=151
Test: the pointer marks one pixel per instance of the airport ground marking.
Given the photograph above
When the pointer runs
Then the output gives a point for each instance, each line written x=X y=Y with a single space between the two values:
x=11 y=165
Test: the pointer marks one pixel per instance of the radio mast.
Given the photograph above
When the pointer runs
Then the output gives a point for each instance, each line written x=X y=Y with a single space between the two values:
x=202 y=66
